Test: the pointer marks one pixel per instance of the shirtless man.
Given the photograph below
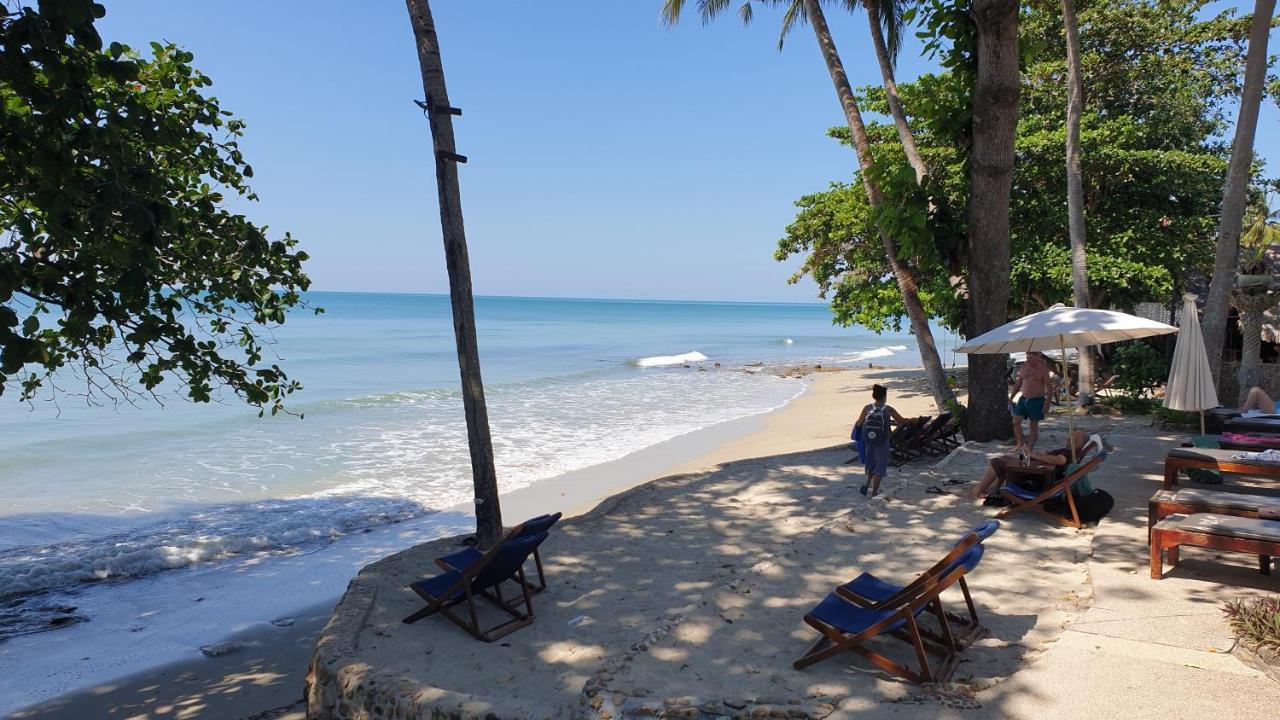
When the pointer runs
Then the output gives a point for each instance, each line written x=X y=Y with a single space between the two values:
x=1033 y=381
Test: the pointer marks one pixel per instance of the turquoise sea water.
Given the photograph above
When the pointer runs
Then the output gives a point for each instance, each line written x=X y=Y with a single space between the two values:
x=95 y=493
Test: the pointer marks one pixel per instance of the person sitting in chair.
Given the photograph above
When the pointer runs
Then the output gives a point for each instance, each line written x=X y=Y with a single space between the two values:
x=997 y=470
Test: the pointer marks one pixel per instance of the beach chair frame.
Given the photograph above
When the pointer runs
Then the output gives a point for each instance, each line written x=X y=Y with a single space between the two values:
x=972 y=626
x=904 y=447
x=1179 y=459
x=539 y=524
x=1063 y=486
x=834 y=641
x=446 y=601
x=1163 y=504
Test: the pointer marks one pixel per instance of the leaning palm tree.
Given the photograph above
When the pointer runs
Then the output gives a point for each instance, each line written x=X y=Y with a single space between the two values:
x=440 y=114
x=798 y=12
x=1075 y=187
x=1236 y=186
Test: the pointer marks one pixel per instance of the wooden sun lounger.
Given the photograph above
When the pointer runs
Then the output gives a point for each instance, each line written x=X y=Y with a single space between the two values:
x=1025 y=500
x=946 y=438
x=1190 y=501
x=1219 y=532
x=1180 y=459
x=1263 y=424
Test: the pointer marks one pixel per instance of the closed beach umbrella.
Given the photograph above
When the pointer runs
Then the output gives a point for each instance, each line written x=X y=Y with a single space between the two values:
x=1190 y=385
x=1061 y=327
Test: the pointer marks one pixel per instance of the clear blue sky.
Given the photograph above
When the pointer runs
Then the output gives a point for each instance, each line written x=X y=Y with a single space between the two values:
x=609 y=156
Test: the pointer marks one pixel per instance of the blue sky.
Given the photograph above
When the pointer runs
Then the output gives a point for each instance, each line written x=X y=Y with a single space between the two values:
x=609 y=156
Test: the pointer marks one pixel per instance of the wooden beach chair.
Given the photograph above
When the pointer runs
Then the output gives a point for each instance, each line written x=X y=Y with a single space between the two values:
x=847 y=627
x=927 y=442
x=504 y=561
x=1190 y=501
x=904 y=443
x=465 y=558
x=870 y=591
x=1255 y=536
x=945 y=441
x=1224 y=461
x=1034 y=500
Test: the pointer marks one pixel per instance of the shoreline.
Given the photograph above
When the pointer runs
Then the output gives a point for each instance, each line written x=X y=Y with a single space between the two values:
x=270 y=654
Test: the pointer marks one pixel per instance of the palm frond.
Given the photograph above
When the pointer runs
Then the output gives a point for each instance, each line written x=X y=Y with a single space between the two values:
x=709 y=9
x=745 y=12
x=793 y=17
x=670 y=13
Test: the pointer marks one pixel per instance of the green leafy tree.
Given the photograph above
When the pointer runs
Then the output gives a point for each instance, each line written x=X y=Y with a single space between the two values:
x=121 y=265
x=1161 y=80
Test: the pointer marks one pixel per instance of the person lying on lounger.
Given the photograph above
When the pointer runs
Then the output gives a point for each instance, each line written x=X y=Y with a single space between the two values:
x=1258 y=399
x=997 y=469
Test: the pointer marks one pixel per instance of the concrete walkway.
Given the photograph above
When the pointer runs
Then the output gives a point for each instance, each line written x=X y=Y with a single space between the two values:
x=1146 y=648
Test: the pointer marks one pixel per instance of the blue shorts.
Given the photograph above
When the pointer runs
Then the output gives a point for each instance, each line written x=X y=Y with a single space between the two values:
x=1030 y=408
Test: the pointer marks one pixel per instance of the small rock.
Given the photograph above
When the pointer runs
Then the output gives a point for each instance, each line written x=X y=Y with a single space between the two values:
x=221 y=649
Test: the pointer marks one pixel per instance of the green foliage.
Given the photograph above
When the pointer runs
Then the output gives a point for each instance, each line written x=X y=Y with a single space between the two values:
x=1133 y=405
x=1160 y=81
x=1167 y=418
x=120 y=264
x=1140 y=368
x=1255 y=620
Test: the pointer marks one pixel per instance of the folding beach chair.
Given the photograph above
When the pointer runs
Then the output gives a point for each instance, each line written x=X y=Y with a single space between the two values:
x=847 y=627
x=930 y=435
x=504 y=561
x=466 y=557
x=1034 y=500
x=870 y=591
x=945 y=440
x=904 y=442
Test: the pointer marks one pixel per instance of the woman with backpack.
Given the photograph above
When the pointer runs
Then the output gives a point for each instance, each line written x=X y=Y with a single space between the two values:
x=875 y=423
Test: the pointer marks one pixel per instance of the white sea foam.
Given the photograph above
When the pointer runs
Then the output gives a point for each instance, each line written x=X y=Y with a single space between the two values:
x=372 y=463
x=667 y=360
x=880 y=352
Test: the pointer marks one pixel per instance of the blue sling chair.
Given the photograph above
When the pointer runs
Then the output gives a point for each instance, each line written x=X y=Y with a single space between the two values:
x=847 y=627
x=464 y=558
x=870 y=591
x=504 y=561
x=1026 y=499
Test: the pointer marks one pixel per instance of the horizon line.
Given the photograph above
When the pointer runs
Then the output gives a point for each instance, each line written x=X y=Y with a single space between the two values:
x=562 y=297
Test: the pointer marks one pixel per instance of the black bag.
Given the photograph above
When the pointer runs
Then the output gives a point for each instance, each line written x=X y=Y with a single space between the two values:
x=875 y=427
x=1095 y=506
x=1092 y=507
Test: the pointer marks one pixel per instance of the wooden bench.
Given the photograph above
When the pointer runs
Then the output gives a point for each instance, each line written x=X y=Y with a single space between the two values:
x=1187 y=501
x=1180 y=459
x=1218 y=532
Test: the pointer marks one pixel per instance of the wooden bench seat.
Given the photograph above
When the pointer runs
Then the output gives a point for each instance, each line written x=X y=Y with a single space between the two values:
x=1215 y=531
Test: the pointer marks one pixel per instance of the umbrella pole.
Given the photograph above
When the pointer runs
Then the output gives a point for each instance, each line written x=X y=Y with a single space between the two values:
x=1071 y=410
x=1202 y=422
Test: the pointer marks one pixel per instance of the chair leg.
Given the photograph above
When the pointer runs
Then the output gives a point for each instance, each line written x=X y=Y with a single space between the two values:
x=1264 y=564
x=537 y=561
x=921 y=656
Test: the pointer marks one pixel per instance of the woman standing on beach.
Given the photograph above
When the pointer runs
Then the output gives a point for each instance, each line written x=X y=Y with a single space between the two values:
x=874 y=421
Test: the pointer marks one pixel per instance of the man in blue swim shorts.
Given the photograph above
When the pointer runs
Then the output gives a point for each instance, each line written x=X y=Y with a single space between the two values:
x=1033 y=382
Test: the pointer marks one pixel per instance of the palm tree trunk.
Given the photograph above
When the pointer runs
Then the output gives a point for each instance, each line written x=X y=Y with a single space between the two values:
x=995 y=118
x=1235 y=188
x=891 y=91
x=1075 y=187
x=483 y=475
x=942 y=395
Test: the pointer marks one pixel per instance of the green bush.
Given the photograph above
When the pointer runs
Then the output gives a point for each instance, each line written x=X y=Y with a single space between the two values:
x=1133 y=405
x=1175 y=418
x=1256 y=620
x=1140 y=367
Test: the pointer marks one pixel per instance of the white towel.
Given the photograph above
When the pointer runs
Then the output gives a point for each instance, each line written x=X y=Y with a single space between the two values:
x=1271 y=455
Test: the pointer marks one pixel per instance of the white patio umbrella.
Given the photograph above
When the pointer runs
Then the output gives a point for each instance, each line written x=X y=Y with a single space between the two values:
x=1061 y=327
x=1190 y=385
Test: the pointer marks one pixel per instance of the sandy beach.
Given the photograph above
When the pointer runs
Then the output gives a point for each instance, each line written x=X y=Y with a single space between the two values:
x=687 y=570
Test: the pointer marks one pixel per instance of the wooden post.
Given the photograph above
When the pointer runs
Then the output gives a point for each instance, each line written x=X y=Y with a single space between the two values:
x=440 y=114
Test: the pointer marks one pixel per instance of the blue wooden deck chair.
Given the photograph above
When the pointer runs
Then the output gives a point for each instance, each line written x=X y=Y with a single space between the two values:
x=504 y=561
x=465 y=557
x=847 y=627
x=1034 y=500
x=870 y=591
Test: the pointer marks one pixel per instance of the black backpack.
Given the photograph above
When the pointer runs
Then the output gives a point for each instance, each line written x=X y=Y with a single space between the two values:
x=875 y=428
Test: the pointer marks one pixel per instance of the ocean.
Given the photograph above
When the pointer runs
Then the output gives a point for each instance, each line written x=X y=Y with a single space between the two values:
x=121 y=493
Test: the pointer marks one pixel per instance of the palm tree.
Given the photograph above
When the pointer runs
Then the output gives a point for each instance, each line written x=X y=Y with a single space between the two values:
x=995 y=120
x=1235 y=188
x=799 y=12
x=1075 y=186
x=440 y=113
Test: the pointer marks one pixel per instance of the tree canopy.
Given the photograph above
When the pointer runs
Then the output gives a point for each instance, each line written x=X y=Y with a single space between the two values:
x=1159 y=79
x=121 y=264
